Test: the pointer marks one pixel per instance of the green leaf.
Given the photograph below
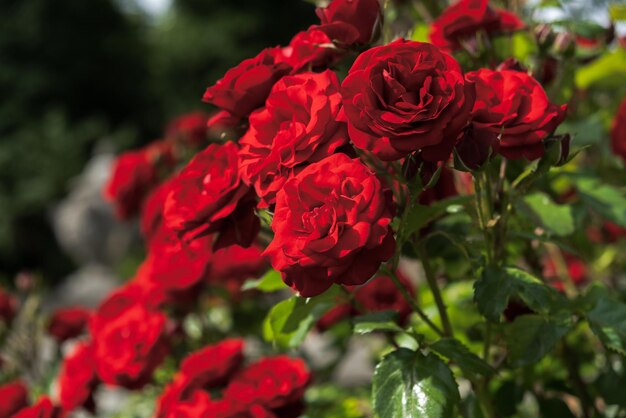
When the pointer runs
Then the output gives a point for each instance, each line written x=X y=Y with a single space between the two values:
x=608 y=71
x=421 y=215
x=407 y=384
x=530 y=337
x=421 y=33
x=555 y=218
x=377 y=321
x=608 y=321
x=497 y=285
x=289 y=321
x=270 y=282
x=617 y=12
x=603 y=198
x=455 y=351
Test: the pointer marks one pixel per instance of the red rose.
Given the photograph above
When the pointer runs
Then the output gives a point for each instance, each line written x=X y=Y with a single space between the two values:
x=42 y=409
x=311 y=49
x=296 y=127
x=135 y=174
x=359 y=20
x=214 y=364
x=331 y=225
x=129 y=339
x=14 y=396
x=277 y=383
x=151 y=217
x=189 y=129
x=209 y=367
x=175 y=270
x=209 y=196
x=8 y=307
x=404 y=97
x=246 y=86
x=233 y=265
x=68 y=323
x=514 y=106
x=223 y=124
x=77 y=379
x=462 y=21
x=379 y=294
x=618 y=132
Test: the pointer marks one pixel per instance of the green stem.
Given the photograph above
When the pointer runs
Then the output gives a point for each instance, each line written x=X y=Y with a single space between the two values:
x=405 y=294
x=478 y=195
x=434 y=288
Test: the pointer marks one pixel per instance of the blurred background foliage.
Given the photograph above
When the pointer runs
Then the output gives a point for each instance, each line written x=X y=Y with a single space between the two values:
x=75 y=74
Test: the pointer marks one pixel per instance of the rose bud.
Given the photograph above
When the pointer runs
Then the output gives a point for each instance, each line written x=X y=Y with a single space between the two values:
x=477 y=146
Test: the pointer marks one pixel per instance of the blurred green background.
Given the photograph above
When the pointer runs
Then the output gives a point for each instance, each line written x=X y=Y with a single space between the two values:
x=73 y=72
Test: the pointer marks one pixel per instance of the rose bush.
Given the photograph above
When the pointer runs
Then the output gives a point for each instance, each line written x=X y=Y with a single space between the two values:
x=366 y=224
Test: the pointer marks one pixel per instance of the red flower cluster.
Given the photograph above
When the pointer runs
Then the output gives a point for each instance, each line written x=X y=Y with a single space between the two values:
x=68 y=323
x=271 y=387
x=460 y=23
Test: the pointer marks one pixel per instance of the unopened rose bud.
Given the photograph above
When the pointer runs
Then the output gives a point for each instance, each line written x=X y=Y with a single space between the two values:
x=544 y=35
x=565 y=141
x=475 y=148
x=564 y=44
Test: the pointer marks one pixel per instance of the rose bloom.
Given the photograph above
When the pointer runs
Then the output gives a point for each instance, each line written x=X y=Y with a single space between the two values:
x=277 y=383
x=14 y=396
x=77 y=379
x=189 y=129
x=206 y=368
x=246 y=86
x=618 y=132
x=208 y=196
x=174 y=270
x=462 y=21
x=8 y=306
x=358 y=21
x=331 y=225
x=379 y=294
x=296 y=127
x=514 y=106
x=44 y=408
x=405 y=97
x=68 y=323
x=312 y=49
x=129 y=340
x=233 y=265
x=151 y=218
x=135 y=174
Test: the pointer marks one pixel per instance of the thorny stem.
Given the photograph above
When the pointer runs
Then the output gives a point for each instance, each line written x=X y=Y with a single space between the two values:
x=434 y=288
x=405 y=294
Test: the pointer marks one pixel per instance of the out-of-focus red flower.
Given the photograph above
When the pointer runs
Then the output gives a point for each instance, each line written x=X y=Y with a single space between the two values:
x=8 y=306
x=68 y=323
x=356 y=21
x=77 y=379
x=618 y=131
x=277 y=383
x=44 y=408
x=135 y=174
x=406 y=97
x=189 y=129
x=208 y=196
x=443 y=189
x=246 y=86
x=233 y=265
x=331 y=225
x=514 y=106
x=129 y=339
x=151 y=218
x=608 y=232
x=297 y=126
x=463 y=20
x=576 y=269
x=379 y=294
x=13 y=397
